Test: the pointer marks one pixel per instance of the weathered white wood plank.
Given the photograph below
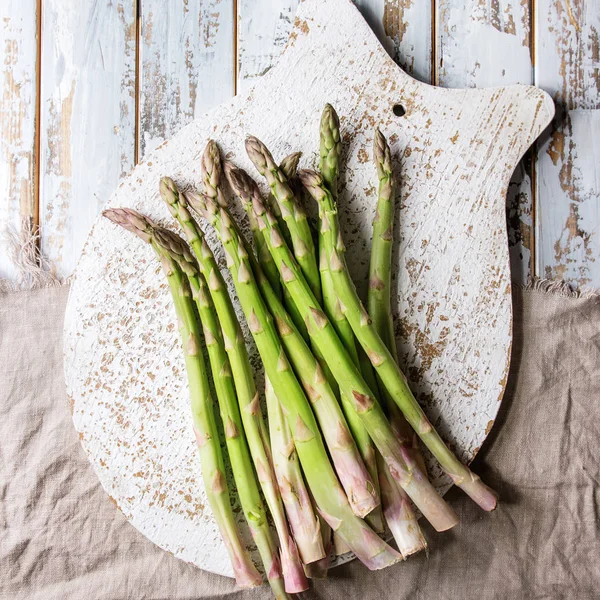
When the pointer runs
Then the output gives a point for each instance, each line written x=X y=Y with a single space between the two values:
x=18 y=43
x=484 y=43
x=187 y=64
x=568 y=196
x=404 y=27
x=88 y=117
x=263 y=32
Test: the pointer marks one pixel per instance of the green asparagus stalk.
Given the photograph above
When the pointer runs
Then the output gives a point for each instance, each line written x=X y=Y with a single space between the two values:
x=234 y=433
x=305 y=525
x=349 y=379
x=213 y=470
x=289 y=167
x=330 y=148
x=397 y=509
x=291 y=212
x=379 y=296
x=354 y=476
x=330 y=498
x=398 y=513
x=384 y=363
x=243 y=377
x=319 y=569
x=262 y=252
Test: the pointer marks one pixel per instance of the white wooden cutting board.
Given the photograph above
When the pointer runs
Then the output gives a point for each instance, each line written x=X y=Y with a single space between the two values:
x=454 y=151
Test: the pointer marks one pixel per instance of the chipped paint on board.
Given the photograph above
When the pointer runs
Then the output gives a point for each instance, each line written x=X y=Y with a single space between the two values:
x=484 y=45
x=87 y=123
x=187 y=65
x=568 y=179
x=452 y=230
x=18 y=44
x=409 y=24
x=259 y=47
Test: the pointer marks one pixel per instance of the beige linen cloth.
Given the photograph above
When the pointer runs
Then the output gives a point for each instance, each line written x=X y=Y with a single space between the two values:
x=62 y=538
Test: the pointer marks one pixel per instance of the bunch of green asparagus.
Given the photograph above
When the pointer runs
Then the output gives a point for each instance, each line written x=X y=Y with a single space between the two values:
x=337 y=464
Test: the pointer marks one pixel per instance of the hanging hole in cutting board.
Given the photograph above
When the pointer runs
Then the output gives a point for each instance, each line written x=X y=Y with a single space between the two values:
x=399 y=110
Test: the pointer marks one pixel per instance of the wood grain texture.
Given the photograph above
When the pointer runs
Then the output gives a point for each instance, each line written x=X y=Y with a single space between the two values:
x=187 y=64
x=483 y=43
x=457 y=149
x=568 y=67
x=263 y=31
x=408 y=24
x=87 y=119
x=402 y=26
x=18 y=96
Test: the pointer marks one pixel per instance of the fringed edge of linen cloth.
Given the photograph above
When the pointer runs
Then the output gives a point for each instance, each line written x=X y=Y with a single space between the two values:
x=558 y=288
x=33 y=270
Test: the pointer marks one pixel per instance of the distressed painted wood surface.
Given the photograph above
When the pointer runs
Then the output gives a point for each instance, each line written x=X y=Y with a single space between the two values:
x=410 y=26
x=456 y=150
x=18 y=97
x=187 y=64
x=483 y=44
x=568 y=173
x=263 y=32
x=87 y=128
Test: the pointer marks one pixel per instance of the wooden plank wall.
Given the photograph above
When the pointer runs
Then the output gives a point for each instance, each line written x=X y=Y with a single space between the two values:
x=118 y=77
x=87 y=126
x=187 y=64
x=18 y=98
x=483 y=44
x=568 y=168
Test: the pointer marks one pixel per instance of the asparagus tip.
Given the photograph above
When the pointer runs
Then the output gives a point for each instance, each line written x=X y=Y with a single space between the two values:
x=289 y=165
x=382 y=155
x=309 y=178
x=258 y=154
x=131 y=220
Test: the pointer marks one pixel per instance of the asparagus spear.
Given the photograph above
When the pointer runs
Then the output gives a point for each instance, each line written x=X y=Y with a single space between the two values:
x=319 y=568
x=234 y=433
x=397 y=509
x=291 y=212
x=356 y=480
x=262 y=252
x=328 y=494
x=398 y=513
x=379 y=295
x=305 y=525
x=264 y=256
x=243 y=377
x=385 y=366
x=348 y=377
x=213 y=470
x=330 y=148
x=289 y=166
x=379 y=298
